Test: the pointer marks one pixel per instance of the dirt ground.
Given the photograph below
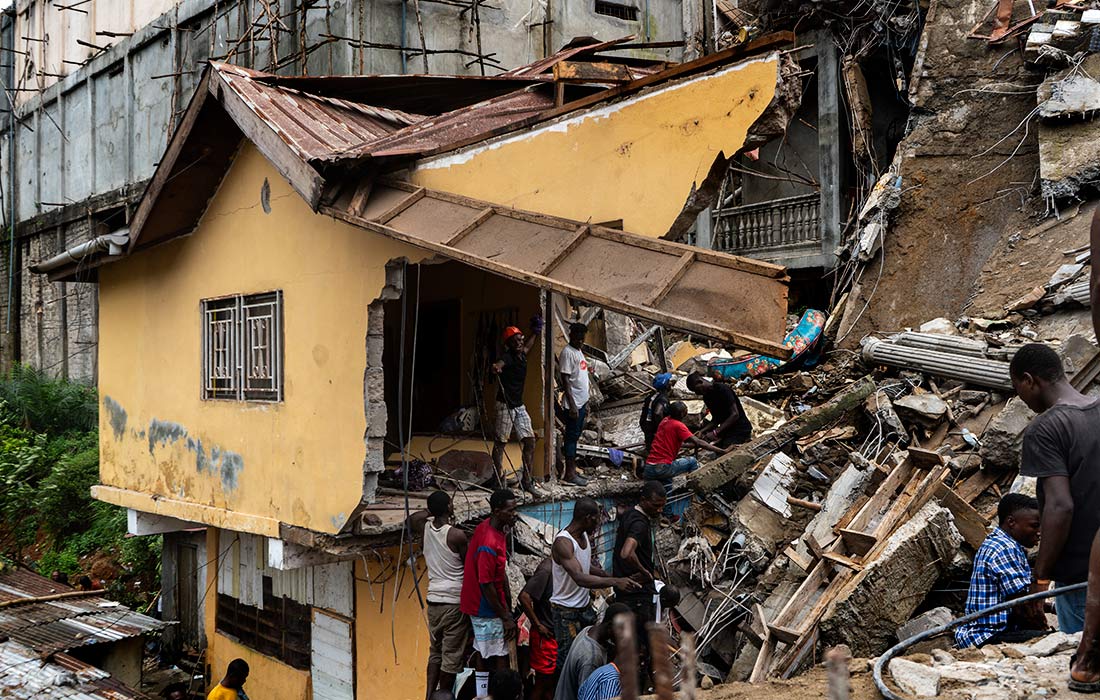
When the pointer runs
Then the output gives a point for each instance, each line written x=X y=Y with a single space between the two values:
x=965 y=186
x=812 y=685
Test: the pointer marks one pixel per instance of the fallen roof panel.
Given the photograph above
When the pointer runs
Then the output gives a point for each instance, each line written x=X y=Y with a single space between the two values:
x=28 y=674
x=735 y=300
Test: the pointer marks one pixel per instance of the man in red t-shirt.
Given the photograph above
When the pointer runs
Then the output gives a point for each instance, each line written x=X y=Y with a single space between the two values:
x=662 y=463
x=485 y=596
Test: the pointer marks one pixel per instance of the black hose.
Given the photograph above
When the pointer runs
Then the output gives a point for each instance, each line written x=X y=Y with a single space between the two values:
x=928 y=634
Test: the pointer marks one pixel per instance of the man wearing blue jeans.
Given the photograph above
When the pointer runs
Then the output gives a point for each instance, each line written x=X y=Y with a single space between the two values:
x=1061 y=448
x=573 y=368
x=662 y=462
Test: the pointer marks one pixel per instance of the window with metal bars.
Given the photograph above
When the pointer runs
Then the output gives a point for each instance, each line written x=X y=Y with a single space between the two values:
x=617 y=10
x=242 y=347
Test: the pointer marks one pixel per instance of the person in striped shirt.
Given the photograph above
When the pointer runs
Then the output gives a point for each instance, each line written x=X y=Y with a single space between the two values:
x=603 y=684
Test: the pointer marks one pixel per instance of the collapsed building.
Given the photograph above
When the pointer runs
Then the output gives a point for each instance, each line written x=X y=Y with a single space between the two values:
x=883 y=164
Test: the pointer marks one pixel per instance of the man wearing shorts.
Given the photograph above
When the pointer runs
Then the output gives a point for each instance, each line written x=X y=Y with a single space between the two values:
x=511 y=376
x=445 y=556
x=485 y=595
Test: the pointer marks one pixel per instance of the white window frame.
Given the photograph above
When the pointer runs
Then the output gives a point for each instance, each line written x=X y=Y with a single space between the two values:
x=242 y=347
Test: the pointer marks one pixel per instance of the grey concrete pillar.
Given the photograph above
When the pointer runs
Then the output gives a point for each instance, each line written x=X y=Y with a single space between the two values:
x=828 y=143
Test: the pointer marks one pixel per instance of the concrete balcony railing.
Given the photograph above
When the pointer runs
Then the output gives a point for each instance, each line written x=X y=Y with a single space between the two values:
x=778 y=230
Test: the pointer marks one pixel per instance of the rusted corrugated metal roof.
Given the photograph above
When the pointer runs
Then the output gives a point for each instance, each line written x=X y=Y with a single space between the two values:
x=57 y=625
x=458 y=126
x=26 y=674
x=313 y=125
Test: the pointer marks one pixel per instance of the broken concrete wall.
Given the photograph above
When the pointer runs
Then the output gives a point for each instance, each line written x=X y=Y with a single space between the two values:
x=1069 y=136
x=884 y=595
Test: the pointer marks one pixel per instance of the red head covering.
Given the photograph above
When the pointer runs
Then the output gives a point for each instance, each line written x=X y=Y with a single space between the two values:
x=509 y=332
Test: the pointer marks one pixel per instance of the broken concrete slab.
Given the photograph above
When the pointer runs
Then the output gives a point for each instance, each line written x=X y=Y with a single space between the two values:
x=931 y=619
x=1069 y=154
x=852 y=483
x=927 y=409
x=1004 y=438
x=883 y=596
x=1050 y=644
x=915 y=679
x=1073 y=97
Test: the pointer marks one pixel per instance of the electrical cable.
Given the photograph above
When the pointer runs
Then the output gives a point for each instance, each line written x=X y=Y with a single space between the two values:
x=901 y=646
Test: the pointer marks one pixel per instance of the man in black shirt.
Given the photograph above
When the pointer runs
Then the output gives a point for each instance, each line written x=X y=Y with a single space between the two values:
x=634 y=549
x=634 y=557
x=511 y=374
x=1062 y=449
x=729 y=425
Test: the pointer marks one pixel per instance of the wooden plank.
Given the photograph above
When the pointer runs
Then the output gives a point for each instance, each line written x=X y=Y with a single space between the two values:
x=358 y=203
x=767 y=649
x=972 y=526
x=589 y=72
x=568 y=248
x=677 y=273
x=844 y=561
x=481 y=218
x=783 y=634
x=401 y=206
x=803 y=562
x=804 y=594
x=976 y=484
x=667 y=319
x=856 y=506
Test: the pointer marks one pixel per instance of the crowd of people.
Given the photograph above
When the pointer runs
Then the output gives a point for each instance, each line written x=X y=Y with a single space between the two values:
x=554 y=635
x=552 y=644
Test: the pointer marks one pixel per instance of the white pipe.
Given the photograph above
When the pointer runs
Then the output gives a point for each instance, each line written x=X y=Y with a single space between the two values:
x=113 y=243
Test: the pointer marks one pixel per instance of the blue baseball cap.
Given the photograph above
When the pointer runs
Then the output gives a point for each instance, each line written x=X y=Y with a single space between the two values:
x=662 y=380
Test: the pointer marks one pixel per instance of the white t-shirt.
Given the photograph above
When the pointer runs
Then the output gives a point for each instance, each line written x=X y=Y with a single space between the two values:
x=573 y=365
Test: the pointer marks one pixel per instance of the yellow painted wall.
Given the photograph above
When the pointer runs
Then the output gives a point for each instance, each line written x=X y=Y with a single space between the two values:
x=381 y=625
x=267 y=677
x=299 y=461
x=636 y=159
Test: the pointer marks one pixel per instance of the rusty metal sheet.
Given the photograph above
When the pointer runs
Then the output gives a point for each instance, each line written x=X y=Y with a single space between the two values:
x=738 y=301
x=313 y=125
x=50 y=626
x=473 y=122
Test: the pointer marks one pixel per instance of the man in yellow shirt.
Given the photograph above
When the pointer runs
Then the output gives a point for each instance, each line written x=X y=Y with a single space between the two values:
x=232 y=686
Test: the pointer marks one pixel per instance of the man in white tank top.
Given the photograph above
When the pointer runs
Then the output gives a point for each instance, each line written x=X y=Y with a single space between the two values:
x=576 y=572
x=445 y=557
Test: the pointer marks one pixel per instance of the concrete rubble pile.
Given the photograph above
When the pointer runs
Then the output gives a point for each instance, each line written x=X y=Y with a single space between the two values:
x=871 y=480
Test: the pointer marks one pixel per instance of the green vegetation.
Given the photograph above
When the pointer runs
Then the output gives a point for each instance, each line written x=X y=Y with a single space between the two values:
x=49 y=460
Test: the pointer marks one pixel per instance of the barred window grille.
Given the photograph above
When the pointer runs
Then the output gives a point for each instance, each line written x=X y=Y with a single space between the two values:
x=617 y=10
x=243 y=347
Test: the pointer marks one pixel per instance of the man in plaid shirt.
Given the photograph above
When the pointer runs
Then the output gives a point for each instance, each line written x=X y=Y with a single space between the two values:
x=1001 y=572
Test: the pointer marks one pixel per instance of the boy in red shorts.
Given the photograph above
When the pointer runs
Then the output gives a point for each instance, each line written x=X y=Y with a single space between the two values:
x=535 y=601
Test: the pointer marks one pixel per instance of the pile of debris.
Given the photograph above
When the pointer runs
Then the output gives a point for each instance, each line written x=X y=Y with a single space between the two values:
x=870 y=482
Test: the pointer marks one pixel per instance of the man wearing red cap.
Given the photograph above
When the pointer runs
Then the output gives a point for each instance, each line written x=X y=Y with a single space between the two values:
x=511 y=371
